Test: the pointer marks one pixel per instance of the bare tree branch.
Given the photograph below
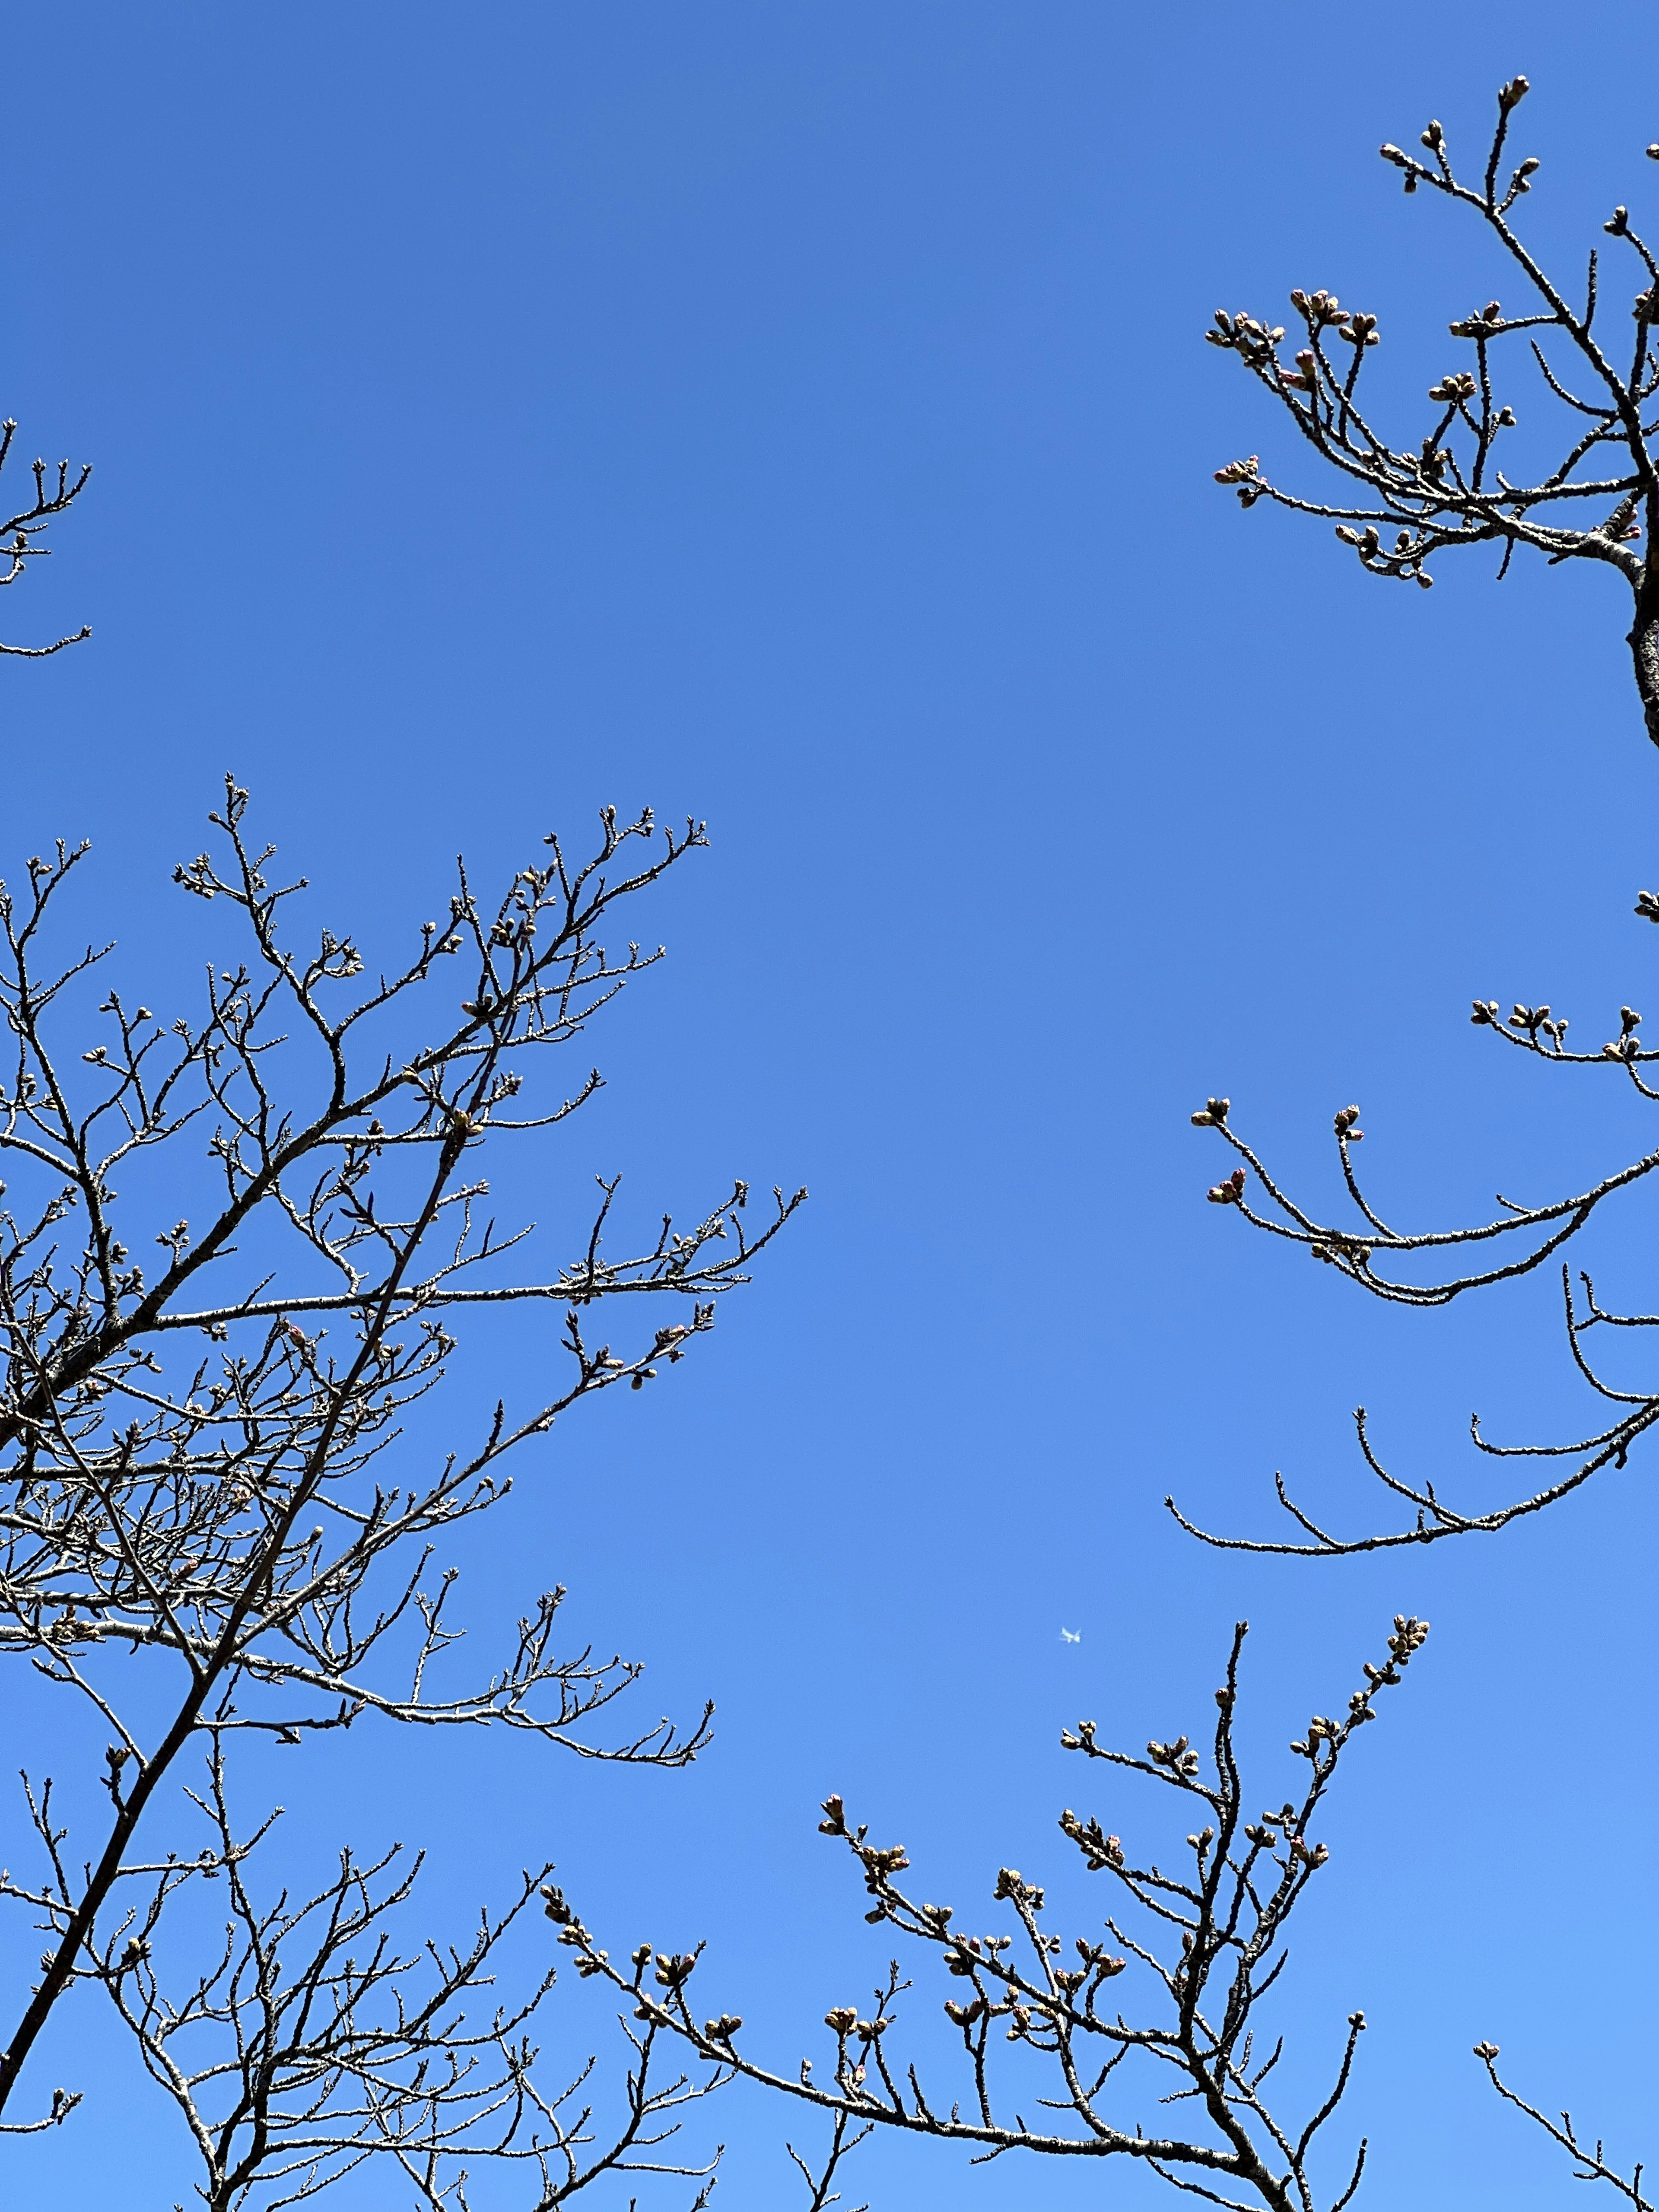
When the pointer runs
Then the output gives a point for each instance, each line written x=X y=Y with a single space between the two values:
x=1448 y=492
x=1208 y=1942
x=245 y=1537
x=55 y=491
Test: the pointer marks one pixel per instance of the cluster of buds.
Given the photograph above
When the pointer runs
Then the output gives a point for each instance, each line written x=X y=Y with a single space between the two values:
x=671 y=1342
x=1231 y=1192
x=1532 y=1019
x=1243 y=476
x=1410 y=1634
x=1626 y=1045
x=1323 y=311
x=1320 y=1731
x=841 y=2019
x=834 y=1822
x=880 y=1863
x=1099 y=1850
x=1313 y=1855
x=1317 y=309
x=1010 y=1886
x=1647 y=906
x=1405 y=560
x=1480 y=325
x=1243 y=335
x=589 y=1961
x=1453 y=388
x=1304 y=377
x=1178 y=1757
x=1522 y=180
x=723 y=2029
x=1345 y=1131
x=1213 y=1114
x=964 y=2015
x=675 y=1969
x=1263 y=1833
x=1099 y=1961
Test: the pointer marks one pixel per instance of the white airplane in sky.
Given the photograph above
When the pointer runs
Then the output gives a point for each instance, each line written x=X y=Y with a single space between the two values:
x=1071 y=1636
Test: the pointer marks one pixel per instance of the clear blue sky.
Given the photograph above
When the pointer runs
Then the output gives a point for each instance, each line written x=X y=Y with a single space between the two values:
x=797 y=416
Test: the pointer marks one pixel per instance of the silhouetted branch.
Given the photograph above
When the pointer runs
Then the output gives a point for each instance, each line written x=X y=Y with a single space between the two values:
x=1588 y=2165
x=55 y=491
x=1208 y=1943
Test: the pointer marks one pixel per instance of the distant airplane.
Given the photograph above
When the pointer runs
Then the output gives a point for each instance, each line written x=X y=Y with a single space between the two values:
x=1071 y=1635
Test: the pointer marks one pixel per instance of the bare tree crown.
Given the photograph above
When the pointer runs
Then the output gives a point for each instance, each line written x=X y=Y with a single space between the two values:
x=214 y=1506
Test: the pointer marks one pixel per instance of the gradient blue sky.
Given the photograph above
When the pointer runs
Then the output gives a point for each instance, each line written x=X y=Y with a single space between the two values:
x=797 y=416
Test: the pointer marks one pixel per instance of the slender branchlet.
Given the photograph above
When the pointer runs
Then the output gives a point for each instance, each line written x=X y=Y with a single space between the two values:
x=54 y=491
x=1588 y=2164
